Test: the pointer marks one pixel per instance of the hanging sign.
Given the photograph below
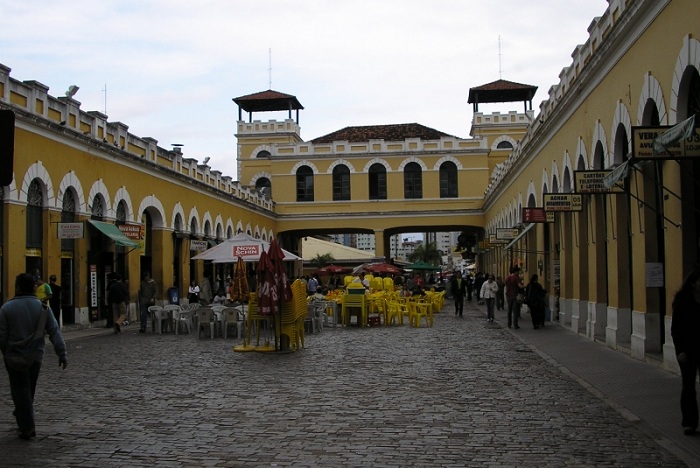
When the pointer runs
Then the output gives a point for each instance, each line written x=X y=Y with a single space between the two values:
x=537 y=215
x=562 y=201
x=684 y=145
x=593 y=182
x=199 y=245
x=506 y=233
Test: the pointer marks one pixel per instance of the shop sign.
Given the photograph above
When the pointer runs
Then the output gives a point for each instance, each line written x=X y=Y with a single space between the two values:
x=562 y=202
x=93 y=285
x=70 y=230
x=199 y=245
x=537 y=215
x=493 y=239
x=506 y=233
x=592 y=182
x=643 y=144
x=33 y=253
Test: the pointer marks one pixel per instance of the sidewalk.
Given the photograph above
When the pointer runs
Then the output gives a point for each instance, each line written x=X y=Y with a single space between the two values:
x=638 y=390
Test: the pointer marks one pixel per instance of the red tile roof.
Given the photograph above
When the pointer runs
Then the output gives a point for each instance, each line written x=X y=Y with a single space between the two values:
x=267 y=101
x=396 y=132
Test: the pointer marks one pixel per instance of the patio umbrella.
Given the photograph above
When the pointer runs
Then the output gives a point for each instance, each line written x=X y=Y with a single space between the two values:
x=266 y=287
x=241 y=245
x=284 y=289
x=422 y=266
x=377 y=268
x=332 y=269
x=239 y=283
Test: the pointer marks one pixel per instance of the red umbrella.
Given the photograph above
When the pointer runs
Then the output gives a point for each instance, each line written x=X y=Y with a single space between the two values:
x=239 y=283
x=378 y=268
x=267 y=289
x=276 y=256
x=332 y=269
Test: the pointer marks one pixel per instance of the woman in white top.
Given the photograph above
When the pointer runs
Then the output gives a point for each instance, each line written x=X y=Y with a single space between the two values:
x=489 y=291
x=193 y=293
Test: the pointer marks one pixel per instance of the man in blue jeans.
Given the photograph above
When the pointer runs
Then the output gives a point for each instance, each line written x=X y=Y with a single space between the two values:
x=513 y=286
x=19 y=319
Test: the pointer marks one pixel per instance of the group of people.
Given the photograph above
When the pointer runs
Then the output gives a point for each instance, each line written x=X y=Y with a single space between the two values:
x=496 y=293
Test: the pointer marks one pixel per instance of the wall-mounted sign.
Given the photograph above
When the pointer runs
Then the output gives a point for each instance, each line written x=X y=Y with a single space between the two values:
x=643 y=143
x=592 y=182
x=199 y=245
x=537 y=215
x=506 y=233
x=562 y=201
x=70 y=230
x=495 y=240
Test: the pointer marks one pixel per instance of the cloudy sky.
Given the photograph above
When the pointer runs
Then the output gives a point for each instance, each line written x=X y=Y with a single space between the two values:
x=170 y=68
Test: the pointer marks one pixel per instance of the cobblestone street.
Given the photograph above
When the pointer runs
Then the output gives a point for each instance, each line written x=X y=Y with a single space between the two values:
x=464 y=393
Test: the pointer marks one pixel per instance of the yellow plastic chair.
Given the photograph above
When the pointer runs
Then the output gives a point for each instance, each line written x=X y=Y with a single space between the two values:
x=348 y=279
x=393 y=313
x=357 y=301
x=420 y=310
x=388 y=284
x=376 y=284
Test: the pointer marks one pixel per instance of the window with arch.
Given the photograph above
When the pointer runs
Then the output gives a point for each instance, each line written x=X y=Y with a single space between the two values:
x=305 y=184
x=377 y=182
x=193 y=227
x=413 y=181
x=121 y=212
x=505 y=144
x=68 y=210
x=35 y=221
x=97 y=210
x=341 y=182
x=263 y=154
x=263 y=186
x=448 y=180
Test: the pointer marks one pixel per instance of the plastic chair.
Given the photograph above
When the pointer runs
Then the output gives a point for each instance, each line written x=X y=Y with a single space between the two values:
x=205 y=317
x=388 y=284
x=173 y=311
x=354 y=301
x=393 y=313
x=420 y=310
x=159 y=317
x=233 y=316
x=184 y=319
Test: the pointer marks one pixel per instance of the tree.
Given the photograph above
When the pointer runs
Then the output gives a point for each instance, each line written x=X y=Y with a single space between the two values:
x=321 y=260
x=428 y=253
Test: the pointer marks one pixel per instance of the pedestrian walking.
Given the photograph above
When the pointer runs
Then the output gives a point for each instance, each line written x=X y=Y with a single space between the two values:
x=514 y=286
x=23 y=323
x=488 y=293
x=458 y=288
x=500 y=297
x=55 y=299
x=147 y=298
x=470 y=286
x=43 y=290
x=118 y=295
x=685 y=331
x=534 y=298
x=478 y=283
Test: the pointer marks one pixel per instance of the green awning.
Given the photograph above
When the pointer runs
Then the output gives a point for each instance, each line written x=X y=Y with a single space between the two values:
x=112 y=231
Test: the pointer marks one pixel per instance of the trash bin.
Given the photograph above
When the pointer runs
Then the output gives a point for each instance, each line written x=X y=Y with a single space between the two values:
x=173 y=296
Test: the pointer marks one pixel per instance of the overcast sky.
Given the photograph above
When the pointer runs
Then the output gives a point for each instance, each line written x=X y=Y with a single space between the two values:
x=172 y=67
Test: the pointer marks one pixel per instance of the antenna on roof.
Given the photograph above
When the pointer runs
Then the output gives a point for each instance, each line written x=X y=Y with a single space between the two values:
x=500 y=73
x=269 y=68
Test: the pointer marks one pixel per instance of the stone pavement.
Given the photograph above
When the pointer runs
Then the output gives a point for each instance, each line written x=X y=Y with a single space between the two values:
x=463 y=393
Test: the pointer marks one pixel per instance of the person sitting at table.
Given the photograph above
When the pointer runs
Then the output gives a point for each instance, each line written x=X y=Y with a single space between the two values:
x=220 y=297
x=361 y=279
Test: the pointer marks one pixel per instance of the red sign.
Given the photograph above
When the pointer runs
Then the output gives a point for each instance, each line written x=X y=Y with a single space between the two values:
x=245 y=250
x=536 y=215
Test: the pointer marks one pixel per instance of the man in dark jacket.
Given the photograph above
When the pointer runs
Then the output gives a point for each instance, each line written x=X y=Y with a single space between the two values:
x=19 y=321
x=118 y=295
x=458 y=288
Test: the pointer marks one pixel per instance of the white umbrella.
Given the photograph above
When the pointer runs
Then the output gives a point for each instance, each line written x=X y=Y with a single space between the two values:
x=241 y=245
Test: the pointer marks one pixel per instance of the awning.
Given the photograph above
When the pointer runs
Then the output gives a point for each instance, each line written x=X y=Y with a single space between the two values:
x=520 y=236
x=112 y=231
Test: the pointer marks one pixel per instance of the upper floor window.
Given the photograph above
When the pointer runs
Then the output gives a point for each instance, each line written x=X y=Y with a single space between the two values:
x=377 y=182
x=305 y=184
x=263 y=154
x=448 y=180
x=413 y=181
x=341 y=183
x=505 y=144
x=34 y=219
x=264 y=187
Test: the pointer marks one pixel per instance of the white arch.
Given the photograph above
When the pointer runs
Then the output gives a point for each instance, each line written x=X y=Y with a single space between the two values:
x=205 y=220
x=598 y=136
x=689 y=55
x=447 y=158
x=219 y=226
x=70 y=180
x=410 y=160
x=305 y=162
x=555 y=177
x=194 y=214
x=260 y=175
x=123 y=194
x=531 y=192
x=177 y=210
x=37 y=171
x=545 y=182
x=651 y=89
x=341 y=162
x=377 y=161
x=99 y=188
x=256 y=151
x=152 y=203
x=622 y=116
x=239 y=228
x=501 y=138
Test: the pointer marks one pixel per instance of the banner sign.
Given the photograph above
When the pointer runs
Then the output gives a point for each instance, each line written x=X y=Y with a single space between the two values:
x=506 y=233
x=246 y=250
x=537 y=215
x=593 y=182
x=70 y=230
x=562 y=201
x=643 y=144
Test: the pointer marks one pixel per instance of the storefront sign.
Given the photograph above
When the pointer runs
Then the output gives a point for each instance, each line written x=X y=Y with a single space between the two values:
x=198 y=245
x=495 y=240
x=655 y=275
x=70 y=230
x=33 y=253
x=93 y=285
x=537 y=215
x=506 y=233
x=643 y=144
x=562 y=202
x=592 y=182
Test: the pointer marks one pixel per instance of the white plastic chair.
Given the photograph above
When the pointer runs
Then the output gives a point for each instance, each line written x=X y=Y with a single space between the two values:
x=205 y=317
x=184 y=319
x=158 y=316
x=233 y=316
x=173 y=311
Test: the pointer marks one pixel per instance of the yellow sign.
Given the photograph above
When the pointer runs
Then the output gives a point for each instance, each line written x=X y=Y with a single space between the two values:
x=33 y=253
x=592 y=182
x=643 y=144
x=562 y=201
